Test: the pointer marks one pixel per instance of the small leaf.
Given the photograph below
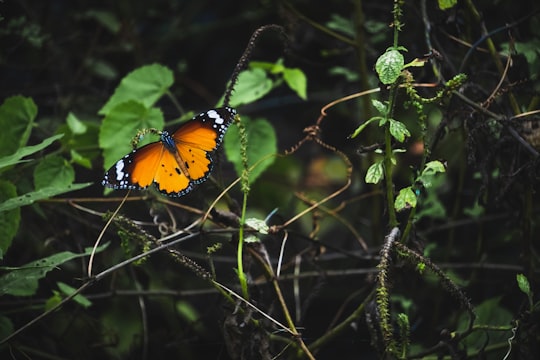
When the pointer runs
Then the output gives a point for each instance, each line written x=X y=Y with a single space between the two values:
x=363 y=126
x=381 y=107
x=389 y=66
x=406 y=199
x=27 y=150
x=375 y=173
x=297 y=81
x=53 y=301
x=44 y=193
x=343 y=71
x=416 y=63
x=252 y=239
x=53 y=171
x=447 y=4
x=78 y=158
x=75 y=125
x=262 y=143
x=6 y=325
x=258 y=224
x=523 y=284
x=252 y=85
x=23 y=281
x=9 y=219
x=342 y=24
x=106 y=18
x=398 y=130
x=433 y=167
x=144 y=85
x=79 y=299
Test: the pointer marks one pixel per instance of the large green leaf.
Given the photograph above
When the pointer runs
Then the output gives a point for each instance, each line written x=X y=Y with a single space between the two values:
x=491 y=313
x=23 y=281
x=262 y=142
x=27 y=150
x=17 y=115
x=120 y=126
x=9 y=220
x=252 y=85
x=44 y=193
x=53 y=171
x=145 y=85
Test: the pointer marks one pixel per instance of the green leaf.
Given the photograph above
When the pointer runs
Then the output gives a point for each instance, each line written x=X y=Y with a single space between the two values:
x=267 y=66
x=189 y=314
x=389 y=66
x=53 y=301
x=490 y=313
x=10 y=219
x=447 y=4
x=363 y=126
x=406 y=199
x=343 y=71
x=262 y=141
x=23 y=281
x=79 y=299
x=120 y=126
x=44 y=193
x=258 y=224
x=27 y=150
x=297 y=81
x=341 y=24
x=6 y=327
x=106 y=18
x=523 y=284
x=187 y=311
x=53 y=171
x=252 y=85
x=375 y=173
x=17 y=115
x=433 y=167
x=76 y=126
x=381 y=107
x=145 y=85
x=398 y=130
x=78 y=158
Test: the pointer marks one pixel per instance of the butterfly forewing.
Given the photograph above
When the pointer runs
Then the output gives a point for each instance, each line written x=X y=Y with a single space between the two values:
x=136 y=169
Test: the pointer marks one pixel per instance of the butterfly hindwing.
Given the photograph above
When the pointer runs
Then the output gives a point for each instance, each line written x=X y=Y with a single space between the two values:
x=177 y=162
x=169 y=177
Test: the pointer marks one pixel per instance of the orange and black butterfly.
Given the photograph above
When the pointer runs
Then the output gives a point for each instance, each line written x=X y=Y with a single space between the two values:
x=177 y=162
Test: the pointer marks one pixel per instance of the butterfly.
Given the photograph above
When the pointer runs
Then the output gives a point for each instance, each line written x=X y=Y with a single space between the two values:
x=178 y=161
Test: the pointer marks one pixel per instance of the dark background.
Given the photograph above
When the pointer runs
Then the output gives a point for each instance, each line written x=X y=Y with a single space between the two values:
x=67 y=57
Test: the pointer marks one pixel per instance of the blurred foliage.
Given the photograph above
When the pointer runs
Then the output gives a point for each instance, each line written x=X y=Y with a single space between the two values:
x=449 y=160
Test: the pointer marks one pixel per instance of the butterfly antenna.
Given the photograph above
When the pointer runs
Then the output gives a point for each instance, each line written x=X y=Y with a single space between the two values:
x=246 y=56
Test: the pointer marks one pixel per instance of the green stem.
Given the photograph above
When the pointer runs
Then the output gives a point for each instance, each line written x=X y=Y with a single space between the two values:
x=388 y=165
x=240 y=250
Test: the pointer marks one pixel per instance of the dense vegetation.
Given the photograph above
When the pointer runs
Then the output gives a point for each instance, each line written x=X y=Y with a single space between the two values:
x=376 y=196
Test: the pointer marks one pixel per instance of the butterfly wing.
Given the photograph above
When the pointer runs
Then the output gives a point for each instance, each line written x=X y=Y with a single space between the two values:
x=136 y=170
x=199 y=138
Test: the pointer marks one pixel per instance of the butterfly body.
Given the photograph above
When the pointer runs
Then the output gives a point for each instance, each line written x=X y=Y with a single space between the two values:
x=178 y=161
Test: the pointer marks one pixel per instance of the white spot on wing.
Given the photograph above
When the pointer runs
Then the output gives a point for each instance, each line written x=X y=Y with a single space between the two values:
x=120 y=171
